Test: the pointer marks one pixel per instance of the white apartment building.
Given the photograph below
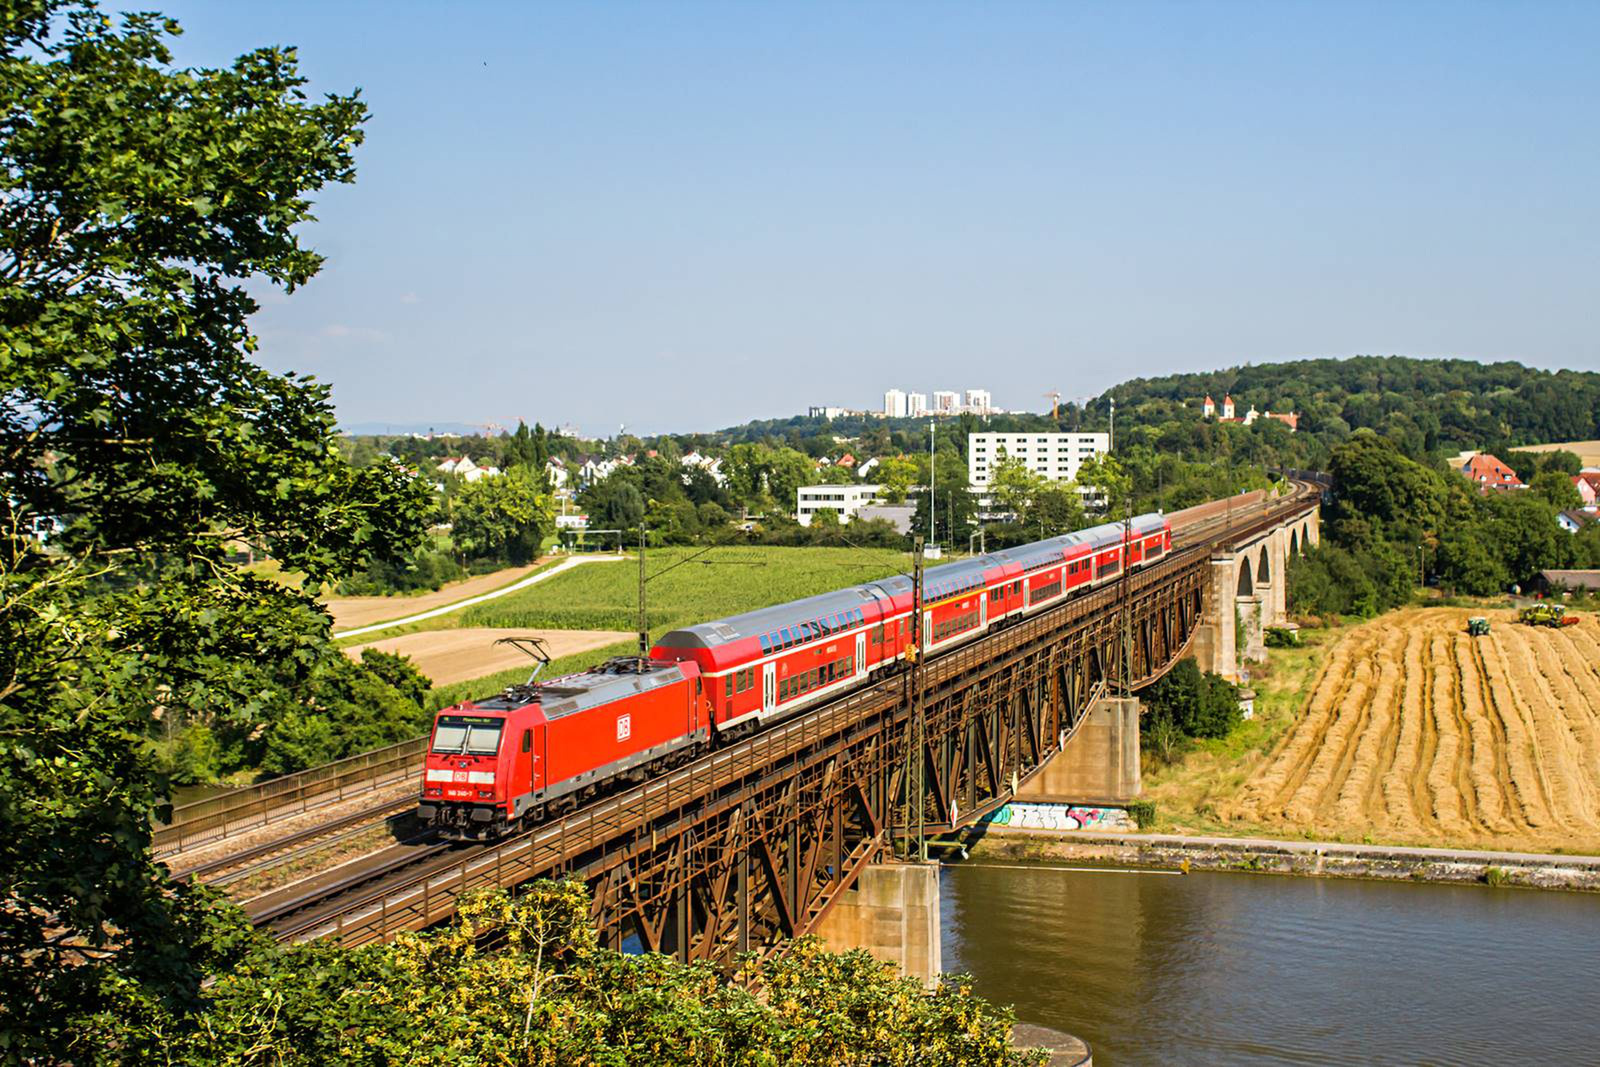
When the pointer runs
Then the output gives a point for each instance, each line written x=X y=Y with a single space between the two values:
x=894 y=404
x=979 y=402
x=917 y=404
x=946 y=402
x=1056 y=456
x=845 y=500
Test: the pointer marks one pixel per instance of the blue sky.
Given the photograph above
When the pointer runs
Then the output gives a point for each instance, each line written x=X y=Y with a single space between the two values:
x=681 y=216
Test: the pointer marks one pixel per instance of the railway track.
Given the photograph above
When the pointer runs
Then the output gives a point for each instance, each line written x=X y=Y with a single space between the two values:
x=309 y=903
x=391 y=889
x=235 y=866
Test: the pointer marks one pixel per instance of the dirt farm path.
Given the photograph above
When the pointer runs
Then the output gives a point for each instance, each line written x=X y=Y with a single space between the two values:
x=353 y=611
x=449 y=656
x=1416 y=733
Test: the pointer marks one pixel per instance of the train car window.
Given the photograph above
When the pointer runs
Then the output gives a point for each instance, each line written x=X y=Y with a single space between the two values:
x=766 y=646
x=483 y=740
x=788 y=638
x=527 y=740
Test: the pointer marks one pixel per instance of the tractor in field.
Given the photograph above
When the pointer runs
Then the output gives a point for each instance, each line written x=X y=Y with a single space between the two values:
x=1478 y=626
x=1547 y=615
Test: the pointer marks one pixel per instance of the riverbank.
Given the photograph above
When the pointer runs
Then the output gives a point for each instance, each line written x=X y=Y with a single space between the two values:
x=1327 y=859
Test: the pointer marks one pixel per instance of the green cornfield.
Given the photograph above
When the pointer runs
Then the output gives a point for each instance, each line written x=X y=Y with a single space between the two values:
x=723 y=582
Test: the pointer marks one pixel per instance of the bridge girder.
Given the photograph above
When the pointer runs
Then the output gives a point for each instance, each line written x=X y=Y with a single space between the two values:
x=752 y=844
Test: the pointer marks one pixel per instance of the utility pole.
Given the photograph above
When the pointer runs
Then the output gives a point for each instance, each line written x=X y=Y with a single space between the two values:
x=644 y=623
x=1126 y=664
x=916 y=824
x=1111 y=437
x=932 y=539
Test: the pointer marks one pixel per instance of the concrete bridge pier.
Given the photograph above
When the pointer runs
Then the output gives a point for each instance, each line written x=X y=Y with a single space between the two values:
x=893 y=912
x=1099 y=764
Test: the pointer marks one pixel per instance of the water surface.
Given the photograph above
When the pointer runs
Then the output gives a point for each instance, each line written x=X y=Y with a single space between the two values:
x=1213 y=968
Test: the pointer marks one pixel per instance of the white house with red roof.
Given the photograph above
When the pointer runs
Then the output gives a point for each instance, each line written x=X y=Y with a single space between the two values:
x=1488 y=472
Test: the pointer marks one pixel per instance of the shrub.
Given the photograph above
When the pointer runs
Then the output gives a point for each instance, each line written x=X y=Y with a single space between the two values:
x=1143 y=812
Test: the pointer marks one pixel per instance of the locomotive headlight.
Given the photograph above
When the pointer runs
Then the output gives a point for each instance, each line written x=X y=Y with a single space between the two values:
x=434 y=792
x=486 y=792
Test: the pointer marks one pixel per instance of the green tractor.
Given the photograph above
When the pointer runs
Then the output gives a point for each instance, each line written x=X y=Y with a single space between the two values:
x=1478 y=625
x=1547 y=615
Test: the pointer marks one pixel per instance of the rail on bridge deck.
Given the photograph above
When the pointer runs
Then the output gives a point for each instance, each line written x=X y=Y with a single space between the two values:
x=753 y=844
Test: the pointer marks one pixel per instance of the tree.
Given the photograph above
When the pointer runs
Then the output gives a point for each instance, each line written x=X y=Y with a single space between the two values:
x=788 y=470
x=1556 y=489
x=522 y=450
x=136 y=200
x=613 y=504
x=896 y=475
x=1110 y=484
x=503 y=518
x=1013 y=486
x=1195 y=704
x=1055 y=509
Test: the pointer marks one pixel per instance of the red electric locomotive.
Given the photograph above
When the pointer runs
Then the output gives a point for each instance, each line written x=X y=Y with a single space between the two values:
x=500 y=763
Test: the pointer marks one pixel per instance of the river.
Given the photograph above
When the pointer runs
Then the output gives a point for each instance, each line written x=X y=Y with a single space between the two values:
x=1209 y=968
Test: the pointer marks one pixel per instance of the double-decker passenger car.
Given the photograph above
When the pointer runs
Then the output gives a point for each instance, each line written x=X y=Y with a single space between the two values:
x=506 y=761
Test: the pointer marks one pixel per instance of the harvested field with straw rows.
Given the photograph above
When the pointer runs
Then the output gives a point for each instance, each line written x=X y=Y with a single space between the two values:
x=1415 y=732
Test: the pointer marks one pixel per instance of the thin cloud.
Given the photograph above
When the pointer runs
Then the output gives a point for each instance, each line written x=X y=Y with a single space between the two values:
x=411 y=298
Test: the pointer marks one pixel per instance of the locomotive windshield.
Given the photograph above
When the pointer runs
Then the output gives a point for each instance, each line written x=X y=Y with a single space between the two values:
x=474 y=735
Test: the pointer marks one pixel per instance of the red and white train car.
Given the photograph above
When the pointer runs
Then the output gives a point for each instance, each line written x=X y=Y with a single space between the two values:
x=503 y=762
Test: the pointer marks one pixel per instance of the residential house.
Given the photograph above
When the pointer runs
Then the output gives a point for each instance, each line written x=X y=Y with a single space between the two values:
x=1574 y=520
x=1487 y=472
x=867 y=467
x=711 y=466
x=463 y=467
x=1587 y=483
x=1567 y=581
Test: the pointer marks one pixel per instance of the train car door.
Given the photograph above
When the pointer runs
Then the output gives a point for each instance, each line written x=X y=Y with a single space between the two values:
x=861 y=654
x=983 y=608
x=769 y=686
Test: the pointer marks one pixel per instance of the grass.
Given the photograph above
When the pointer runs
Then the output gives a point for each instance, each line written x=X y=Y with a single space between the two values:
x=1187 y=790
x=448 y=621
x=723 y=582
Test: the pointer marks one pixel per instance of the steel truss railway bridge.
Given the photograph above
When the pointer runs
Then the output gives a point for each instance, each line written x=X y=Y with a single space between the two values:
x=754 y=843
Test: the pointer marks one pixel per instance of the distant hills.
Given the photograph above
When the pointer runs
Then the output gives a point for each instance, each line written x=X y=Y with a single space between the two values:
x=1431 y=404
x=1427 y=405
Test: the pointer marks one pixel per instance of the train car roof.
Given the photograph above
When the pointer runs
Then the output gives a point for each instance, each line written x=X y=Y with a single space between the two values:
x=613 y=680
x=766 y=620
x=956 y=576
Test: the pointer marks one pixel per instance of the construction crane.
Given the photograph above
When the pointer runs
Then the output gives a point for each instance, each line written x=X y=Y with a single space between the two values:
x=1055 y=403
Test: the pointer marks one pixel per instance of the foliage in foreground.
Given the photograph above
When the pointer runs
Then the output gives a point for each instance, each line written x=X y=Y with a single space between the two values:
x=137 y=434
x=523 y=981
